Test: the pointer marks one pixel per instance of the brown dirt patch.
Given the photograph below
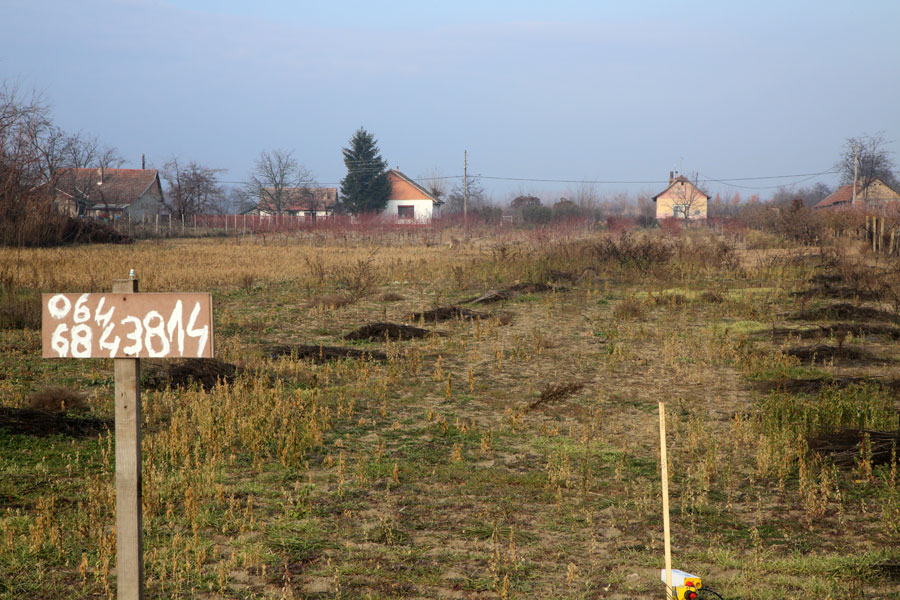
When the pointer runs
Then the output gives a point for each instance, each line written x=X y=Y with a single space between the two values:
x=842 y=292
x=58 y=399
x=844 y=311
x=824 y=353
x=391 y=331
x=321 y=354
x=207 y=372
x=29 y=421
x=845 y=446
x=838 y=330
x=814 y=386
x=511 y=292
x=446 y=313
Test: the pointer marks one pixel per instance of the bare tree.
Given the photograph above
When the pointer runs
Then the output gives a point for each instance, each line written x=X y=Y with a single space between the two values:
x=192 y=188
x=27 y=215
x=875 y=161
x=279 y=181
x=434 y=182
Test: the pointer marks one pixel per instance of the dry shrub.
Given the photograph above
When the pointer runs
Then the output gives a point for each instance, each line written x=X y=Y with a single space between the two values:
x=629 y=308
x=58 y=399
x=631 y=252
x=360 y=278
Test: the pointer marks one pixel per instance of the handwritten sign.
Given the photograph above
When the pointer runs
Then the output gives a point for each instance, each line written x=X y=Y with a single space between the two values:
x=127 y=325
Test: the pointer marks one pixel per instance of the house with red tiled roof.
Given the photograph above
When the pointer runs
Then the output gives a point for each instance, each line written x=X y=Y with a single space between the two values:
x=409 y=202
x=109 y=193
x=309 y=203
x=681 y=200
x=876 y=193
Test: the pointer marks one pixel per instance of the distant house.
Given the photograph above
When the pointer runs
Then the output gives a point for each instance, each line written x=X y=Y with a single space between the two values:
x=874 y=194
x=108 y=193
x=409 y=202
x=681 y=200
x=309 y=203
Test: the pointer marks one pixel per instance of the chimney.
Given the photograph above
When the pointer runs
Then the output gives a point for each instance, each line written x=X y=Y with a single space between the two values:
x=143 y=162
x=671 y=177
x=100 y=175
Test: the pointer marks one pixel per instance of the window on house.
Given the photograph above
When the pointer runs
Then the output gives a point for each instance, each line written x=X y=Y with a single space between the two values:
x=680 y=210
x=406 y=212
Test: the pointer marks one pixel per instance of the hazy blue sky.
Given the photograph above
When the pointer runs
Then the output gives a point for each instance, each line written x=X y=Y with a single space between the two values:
x=566 y=90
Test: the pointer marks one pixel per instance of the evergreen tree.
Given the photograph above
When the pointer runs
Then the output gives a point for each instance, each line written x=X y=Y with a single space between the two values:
x=366 y=187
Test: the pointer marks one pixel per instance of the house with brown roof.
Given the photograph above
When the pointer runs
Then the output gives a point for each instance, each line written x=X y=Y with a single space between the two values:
x=109 y=193
x=876 y=193
x=409 y=202
x=309 y=203
x=681 y=200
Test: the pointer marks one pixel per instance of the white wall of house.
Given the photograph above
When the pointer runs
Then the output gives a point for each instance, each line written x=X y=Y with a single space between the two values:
x=424 y=210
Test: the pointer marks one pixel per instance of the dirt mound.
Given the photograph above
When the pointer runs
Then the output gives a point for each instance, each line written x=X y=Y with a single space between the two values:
x=844 y=311
x=206 y=372
x=391 y=331
x=446 y=313
x=824 y=352
x=842 y=292
x=838 y=330
x=845 y=447
x=816 y=385
x=321 y=354
x=30 y=421
x=511 y=292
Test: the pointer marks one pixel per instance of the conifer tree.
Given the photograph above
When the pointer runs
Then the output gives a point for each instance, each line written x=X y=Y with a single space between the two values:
x=366 y=187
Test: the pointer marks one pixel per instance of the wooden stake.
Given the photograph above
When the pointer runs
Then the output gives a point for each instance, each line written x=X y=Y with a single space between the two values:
x=129 y=542
x=664 y=467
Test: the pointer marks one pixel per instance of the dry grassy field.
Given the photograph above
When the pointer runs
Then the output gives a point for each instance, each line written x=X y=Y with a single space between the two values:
x=493 y=433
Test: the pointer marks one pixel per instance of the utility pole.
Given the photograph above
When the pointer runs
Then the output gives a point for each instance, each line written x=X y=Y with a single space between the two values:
x=465 y=188
x=855 y=169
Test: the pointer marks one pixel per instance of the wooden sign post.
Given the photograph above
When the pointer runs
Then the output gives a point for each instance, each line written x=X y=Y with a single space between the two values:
x=127 y=326
x=129 y=513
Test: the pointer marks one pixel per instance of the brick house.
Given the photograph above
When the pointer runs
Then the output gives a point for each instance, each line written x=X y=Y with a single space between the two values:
x=409 y=202
x=681 y=200
x=874 y=194
x=309 y=203
x=109 y=193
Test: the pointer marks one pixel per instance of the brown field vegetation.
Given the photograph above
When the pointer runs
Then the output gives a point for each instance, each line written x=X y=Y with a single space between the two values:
x=510 y=451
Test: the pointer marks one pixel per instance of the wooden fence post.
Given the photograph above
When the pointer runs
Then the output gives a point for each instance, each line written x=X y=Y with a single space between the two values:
x=129 y=542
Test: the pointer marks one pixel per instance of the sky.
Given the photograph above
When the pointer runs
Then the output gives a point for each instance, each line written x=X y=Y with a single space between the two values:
x=570 y=90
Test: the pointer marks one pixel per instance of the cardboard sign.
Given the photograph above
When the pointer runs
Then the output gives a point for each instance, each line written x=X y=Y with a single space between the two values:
x=127 y=325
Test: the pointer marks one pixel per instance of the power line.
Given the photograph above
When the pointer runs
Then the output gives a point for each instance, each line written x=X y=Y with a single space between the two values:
x=724 y=180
